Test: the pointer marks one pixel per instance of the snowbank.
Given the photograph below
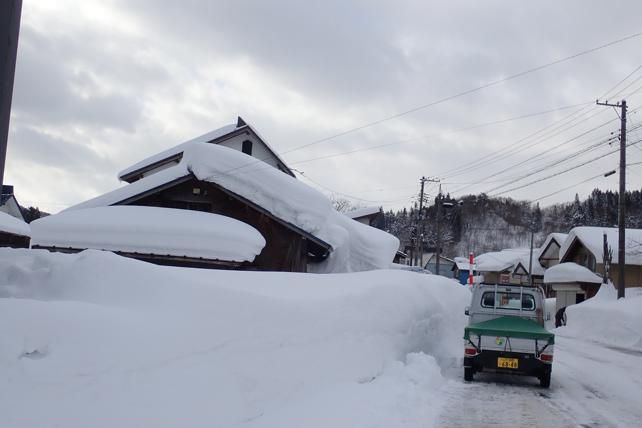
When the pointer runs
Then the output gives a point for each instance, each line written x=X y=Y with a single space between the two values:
x=10 y=224
x=150 y=230
x=356 y=246
x=607 y=320
x=94 y=339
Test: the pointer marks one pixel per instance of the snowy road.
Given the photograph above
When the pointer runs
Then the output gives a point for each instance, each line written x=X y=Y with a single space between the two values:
x=592 y=386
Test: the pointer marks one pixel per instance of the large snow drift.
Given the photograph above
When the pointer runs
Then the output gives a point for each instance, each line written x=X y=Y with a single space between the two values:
x=607 y=320
x=150 y=230
x=356 y=247
x=94 y=339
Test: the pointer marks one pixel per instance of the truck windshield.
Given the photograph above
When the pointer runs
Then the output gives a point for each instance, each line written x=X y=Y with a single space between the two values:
x=506 y=300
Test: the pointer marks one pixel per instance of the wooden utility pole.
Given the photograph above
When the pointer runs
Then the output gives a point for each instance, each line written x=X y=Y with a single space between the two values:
x=10 y=11
x=621 y=260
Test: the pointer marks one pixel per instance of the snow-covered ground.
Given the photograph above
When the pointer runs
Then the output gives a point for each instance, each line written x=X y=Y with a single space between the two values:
x=93 y=339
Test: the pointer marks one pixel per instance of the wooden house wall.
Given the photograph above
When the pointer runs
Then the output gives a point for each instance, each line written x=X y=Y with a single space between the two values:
x=285 y=250
x=14 y=241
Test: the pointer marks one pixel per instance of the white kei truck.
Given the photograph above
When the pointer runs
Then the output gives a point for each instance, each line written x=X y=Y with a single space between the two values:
x=506 y=334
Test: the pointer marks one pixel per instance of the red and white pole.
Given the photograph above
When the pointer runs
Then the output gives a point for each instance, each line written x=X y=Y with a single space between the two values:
x=471 y=262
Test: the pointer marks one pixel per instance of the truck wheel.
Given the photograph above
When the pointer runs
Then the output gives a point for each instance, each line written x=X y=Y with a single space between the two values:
x=468 y=374
x=545 y=380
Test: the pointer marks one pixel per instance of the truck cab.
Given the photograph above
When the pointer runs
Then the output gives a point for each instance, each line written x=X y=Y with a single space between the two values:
x=506 y=334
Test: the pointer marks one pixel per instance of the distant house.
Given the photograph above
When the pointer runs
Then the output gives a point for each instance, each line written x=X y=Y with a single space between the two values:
x=240 y=136
x=571 y=283
x=372 y=216
x=445 y=265
x=584 y=246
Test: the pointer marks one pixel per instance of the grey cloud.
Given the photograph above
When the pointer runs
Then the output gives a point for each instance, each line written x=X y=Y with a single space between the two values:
x=28 y=144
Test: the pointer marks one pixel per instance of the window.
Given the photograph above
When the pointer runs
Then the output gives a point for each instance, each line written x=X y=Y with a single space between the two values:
x=506 y=300
x=247 y=147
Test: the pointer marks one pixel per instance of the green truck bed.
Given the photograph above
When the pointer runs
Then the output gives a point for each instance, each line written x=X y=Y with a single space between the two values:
x=509 y=326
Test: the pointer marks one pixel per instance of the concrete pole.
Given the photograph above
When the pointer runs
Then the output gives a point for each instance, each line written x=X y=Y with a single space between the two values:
x=10 y=11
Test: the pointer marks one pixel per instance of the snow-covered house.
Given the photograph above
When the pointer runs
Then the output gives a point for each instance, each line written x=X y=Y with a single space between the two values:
x=585 y=247
x=571 y=283
x=372 y=216
x=302 y=231
x=240 y=136
x=14 y=232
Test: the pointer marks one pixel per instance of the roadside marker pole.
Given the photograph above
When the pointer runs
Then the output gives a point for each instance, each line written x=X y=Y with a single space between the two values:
x=471 y=261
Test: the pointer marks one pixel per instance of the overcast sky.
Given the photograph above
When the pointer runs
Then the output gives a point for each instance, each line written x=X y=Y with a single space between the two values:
x=102 y=84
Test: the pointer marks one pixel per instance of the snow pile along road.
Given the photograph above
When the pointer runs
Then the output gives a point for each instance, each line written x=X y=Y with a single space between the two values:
x=98 y=340
x=606 y=320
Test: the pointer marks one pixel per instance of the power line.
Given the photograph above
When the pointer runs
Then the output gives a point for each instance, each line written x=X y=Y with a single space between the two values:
x=564 y=171
x=466 y=92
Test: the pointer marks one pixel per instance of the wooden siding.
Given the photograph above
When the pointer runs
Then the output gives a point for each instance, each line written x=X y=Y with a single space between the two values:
x=14 y=241
x=285 y=249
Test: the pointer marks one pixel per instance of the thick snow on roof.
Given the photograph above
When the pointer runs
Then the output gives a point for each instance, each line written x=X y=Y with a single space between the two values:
x=498 y=261
x=217 y=133
x=356 y=246
x=10 y=224
x=362 y=212
x=150 y=230
x=592 y=239
x=570 y=272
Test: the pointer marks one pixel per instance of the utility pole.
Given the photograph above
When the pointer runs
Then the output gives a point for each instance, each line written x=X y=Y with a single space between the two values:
x=438 y=252
x=10 y=11
x=420 y=225
x=621 y=206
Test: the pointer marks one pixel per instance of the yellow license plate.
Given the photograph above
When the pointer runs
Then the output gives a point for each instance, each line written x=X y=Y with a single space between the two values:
x=507 y=363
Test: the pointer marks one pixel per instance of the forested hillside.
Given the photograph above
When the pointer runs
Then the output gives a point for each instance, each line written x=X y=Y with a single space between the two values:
x=480 y=223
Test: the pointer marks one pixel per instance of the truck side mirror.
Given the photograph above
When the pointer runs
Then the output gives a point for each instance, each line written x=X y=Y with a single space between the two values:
x=467 y=311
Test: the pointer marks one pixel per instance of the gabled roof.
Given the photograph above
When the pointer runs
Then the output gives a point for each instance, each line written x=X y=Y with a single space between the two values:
x=552 y=244
x=363 y=212
x=592 y=239
x=175 y=153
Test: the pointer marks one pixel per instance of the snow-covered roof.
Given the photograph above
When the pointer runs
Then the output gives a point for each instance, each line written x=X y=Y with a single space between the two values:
x=355 y=246
x=525 y=261
x=570 y=272
x=205 y=138
x=363 y=212
x=498 y=261
x=10 y=224
x=462 y=263
x=592 y=239
x=150 y=230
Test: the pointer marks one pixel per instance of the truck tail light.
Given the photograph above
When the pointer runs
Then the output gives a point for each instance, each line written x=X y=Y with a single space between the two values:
x=547 y=358
x=469 y=351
